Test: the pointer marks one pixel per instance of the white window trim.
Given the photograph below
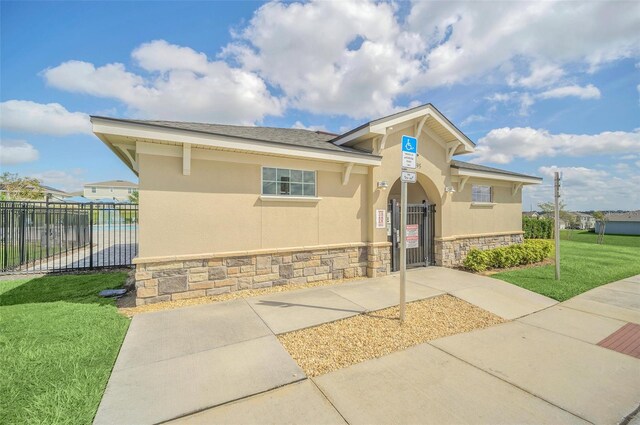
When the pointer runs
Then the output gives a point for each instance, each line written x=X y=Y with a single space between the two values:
x=286 y=198
x=483 y=204
x=491 y=195
x=269 y=197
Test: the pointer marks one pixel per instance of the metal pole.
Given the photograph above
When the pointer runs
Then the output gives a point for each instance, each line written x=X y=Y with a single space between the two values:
x=403 y=248
x=46 y=223
x=557 y=221
x=91 y=235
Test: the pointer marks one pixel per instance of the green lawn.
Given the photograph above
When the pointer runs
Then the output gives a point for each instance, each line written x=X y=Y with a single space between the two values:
x=583 y=266
x=58 y=344
x=590 y=237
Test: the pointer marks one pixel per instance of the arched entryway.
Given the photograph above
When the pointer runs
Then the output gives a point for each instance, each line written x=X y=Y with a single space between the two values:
x=421 y=218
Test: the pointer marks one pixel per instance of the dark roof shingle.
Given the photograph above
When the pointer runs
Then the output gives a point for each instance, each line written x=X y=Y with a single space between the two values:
x=287 y=136
x=477 y=167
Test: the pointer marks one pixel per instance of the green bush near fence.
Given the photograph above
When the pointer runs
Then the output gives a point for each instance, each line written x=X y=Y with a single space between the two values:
x=529 y=252
x=537 y=228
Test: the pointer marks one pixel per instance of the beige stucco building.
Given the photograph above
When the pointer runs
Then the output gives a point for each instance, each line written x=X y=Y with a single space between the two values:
x=119 y=190
x=224 y=208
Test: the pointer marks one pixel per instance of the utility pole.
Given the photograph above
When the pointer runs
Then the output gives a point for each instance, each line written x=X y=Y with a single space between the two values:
x=557 y=221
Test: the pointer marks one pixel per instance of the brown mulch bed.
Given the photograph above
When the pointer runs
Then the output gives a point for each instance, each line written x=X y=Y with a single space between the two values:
x=322 y=349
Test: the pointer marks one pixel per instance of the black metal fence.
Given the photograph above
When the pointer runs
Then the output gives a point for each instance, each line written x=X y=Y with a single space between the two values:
x=59 y=236
x=423 y=216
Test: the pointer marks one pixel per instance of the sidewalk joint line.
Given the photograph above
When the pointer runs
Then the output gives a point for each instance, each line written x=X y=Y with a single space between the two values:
x=328 y=400
x=510 y=383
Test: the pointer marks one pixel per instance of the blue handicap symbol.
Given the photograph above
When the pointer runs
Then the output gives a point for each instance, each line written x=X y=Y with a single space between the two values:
x=409 y=144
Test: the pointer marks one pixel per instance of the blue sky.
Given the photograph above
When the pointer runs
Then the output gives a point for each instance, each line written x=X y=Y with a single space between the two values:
x=539 y=86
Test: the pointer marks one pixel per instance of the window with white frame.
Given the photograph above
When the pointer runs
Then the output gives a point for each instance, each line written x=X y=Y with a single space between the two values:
x=481 y=194
x=93 y=189
x=286 y=182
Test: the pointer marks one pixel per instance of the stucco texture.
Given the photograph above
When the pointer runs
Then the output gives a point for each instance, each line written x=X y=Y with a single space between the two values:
x=217 y=208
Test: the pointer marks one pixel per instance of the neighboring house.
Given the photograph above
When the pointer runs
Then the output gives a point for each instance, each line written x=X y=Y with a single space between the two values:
x=53 y=193
x=584 y=221
x=118 y=190
x=627 y=223
x=531 y=214
x=227 y=207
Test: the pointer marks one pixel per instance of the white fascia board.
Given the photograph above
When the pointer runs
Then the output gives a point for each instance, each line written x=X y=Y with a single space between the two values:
x=163 y=149
x=494 y=176
x=380 y=127
x=353 y=136
x=117 y=152
x=141 y=131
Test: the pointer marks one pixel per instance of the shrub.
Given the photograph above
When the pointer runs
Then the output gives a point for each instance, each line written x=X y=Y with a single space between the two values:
x=529 y=252
x=537 y=228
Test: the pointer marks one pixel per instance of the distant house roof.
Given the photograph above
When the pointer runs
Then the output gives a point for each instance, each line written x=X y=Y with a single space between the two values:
x=580 y=214
x=530 y=214
x=483 y=168
x=45 y=189
x=287 y=136
x=625 y=216
x=113 y=183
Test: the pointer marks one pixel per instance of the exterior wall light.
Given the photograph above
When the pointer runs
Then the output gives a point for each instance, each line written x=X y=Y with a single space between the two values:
x=449 y=189
x=383 y=185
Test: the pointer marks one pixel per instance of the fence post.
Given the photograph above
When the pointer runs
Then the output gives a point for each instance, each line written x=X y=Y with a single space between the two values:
x=46 y=223
x=91 y=235
x=5 y=234
x=22 y=234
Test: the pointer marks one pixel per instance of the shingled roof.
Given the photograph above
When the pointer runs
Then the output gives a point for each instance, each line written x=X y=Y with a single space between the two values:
x=288 y=136
x=477 y=167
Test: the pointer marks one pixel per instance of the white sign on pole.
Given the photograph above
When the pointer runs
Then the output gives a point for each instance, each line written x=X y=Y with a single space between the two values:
x=381 y=221
x=409 y=151
x=408 y=177
x=408 y=160
x=413 y=238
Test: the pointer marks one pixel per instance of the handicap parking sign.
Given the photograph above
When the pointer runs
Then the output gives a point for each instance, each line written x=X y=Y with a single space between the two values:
x=409 y=144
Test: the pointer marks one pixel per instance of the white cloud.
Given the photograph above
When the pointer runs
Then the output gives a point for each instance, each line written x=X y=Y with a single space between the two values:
x=622 y=167
x=350 y=58
x=358 y=58
x=541 y=75
x=473 y=118
x=17 y=152
x=181 y=85
x=586 y=92
x=503 y=145
x=59 y=179
x=51 y=118
x=585 y=188
x=300 y=125
x=474 y=38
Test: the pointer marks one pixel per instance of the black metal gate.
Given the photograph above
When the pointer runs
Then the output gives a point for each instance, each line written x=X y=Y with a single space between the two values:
x=59 y=236
x=424 y=216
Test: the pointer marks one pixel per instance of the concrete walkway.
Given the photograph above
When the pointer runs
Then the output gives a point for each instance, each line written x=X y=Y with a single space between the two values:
x=221 y=363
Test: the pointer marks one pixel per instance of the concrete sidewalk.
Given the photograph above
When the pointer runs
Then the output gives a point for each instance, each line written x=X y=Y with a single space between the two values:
x=224 y=361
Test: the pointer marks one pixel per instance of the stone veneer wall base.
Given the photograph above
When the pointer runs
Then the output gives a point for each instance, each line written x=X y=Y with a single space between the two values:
x=176 y=280
x=451 y=253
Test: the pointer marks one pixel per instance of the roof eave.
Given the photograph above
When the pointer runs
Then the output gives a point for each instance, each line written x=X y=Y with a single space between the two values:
x=495 y=175
x=380 y=126
x=103 y=127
